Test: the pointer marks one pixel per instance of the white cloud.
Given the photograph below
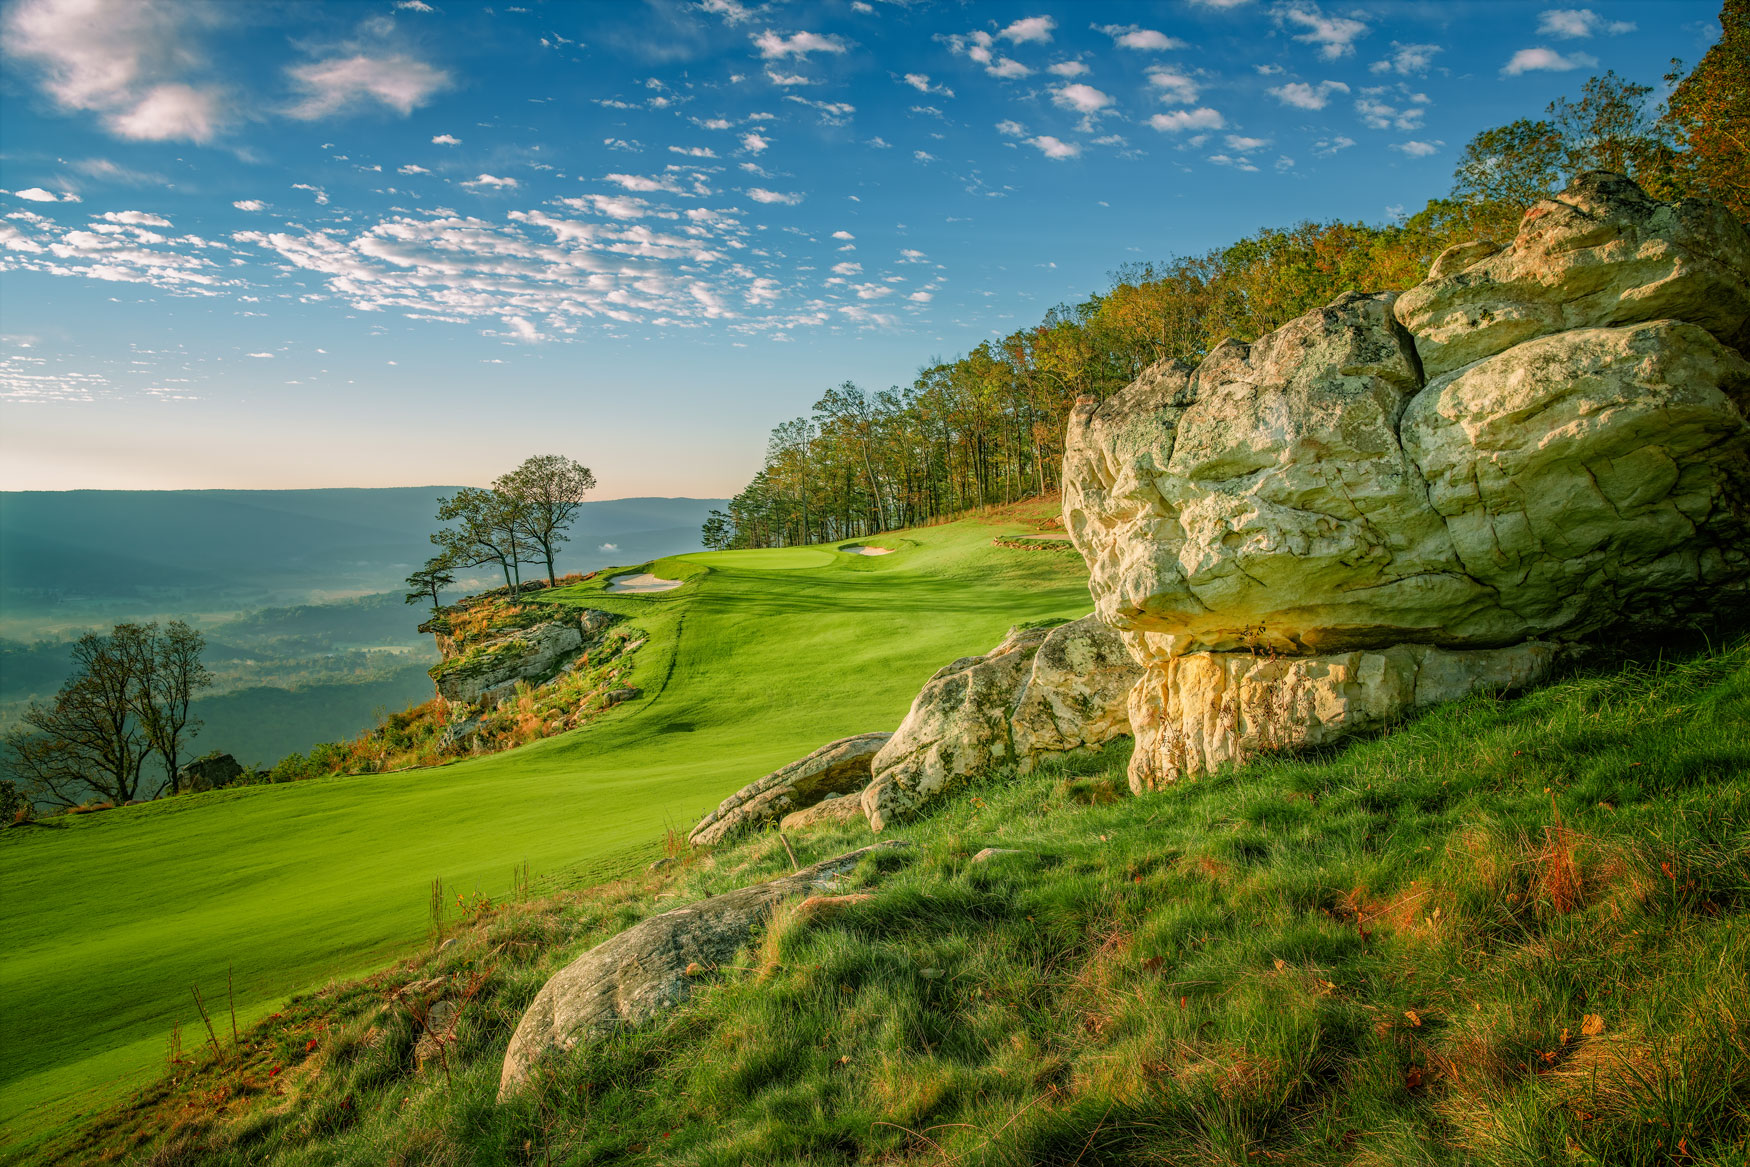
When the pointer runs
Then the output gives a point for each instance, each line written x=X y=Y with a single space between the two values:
x=1246 y=145
x=1579 y=22
x=1009 y=69
x=777 y=78
x=135 y=218
x=1081 y=98
x=921 y=297
x=1380 y=115
x=1187 y=119
x=1237 y=163
x=1419 y=149
x=693 y=151
x=250 y=205
x=1011 y=129
x=1068 y=69
x=1546 y=60
x=412 y=168
x=843 y=235
x=492 y=182
x=1325 y=147
x=126 y=60
x=321 y=195
x=642 y=184
x=921 y=83
x=731 y=11
x=775 y=47
x=912 y=255
x=1335 y=35
x=754 y=143
x=446 y=140
x=341 y=83
x=1408 y=60
x=1130 y=36
x=414 y=6
x=847 y=269
x=1054 y=148
x=622 y=144
x=36 y=194
x=1303 y=96
x=1221 y=3
x=760 y=194
x=262 y=356
x=922 y=156
x=1032 y=28
x=1175 y=88
x=832 y=113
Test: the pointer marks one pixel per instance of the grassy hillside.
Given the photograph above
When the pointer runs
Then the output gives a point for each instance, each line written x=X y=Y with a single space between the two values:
x=762 y=656
x=1513 y=931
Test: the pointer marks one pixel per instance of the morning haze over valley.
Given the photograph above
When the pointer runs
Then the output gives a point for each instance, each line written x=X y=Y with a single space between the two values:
x=874 y=581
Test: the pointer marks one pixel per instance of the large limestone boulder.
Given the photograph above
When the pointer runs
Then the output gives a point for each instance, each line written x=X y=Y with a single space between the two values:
x=841 y=767
x=1291 y=535
x=643 y=972
x=958 y=725
x=1076 y=696
x=1593 y=478
x=1193 y=713
x=1264 y=500
x=837 y=811
x=1600 y=254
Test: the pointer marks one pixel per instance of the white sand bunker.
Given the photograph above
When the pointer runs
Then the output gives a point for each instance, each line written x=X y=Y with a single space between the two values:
x=859 y=549
x=641 y=581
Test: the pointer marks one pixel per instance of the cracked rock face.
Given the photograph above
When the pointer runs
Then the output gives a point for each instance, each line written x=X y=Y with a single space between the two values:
x=1537 y=443
x=837 y=768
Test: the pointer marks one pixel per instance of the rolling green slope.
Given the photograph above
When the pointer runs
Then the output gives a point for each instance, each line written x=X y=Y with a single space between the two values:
x=758 y=658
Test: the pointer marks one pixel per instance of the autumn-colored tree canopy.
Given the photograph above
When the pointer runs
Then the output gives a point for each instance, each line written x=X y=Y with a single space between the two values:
x=987 y=428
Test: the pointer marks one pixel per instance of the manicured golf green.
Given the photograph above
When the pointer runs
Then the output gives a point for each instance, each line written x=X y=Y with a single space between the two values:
x=109 y=919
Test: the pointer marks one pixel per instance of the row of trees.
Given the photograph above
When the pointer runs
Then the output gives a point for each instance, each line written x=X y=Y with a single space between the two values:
x=129 y=699
x=987 y=428
x=522 y=518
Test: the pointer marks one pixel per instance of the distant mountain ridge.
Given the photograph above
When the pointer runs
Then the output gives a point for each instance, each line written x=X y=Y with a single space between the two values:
x=263 y=546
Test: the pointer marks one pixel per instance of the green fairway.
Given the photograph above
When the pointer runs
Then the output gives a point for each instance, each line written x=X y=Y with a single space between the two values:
x=761 y=656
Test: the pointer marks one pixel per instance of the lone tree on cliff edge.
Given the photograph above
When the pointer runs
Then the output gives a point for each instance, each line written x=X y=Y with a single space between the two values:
x=548 y=489
x=428 y=582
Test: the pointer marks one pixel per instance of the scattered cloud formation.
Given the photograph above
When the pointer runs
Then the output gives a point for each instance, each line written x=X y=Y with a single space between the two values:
x=1303 y=96
x=1575 y=23
x=1130 y=36
x=1548 y=61
x=1419 y=149
x=1406 y=60
x=446 y=140
x=1032 y=29
x=1334 y=35
x=135 y=218
x=491 y=182
x=774 y=47
x=1054 y=148
x=1080 y=98
x=36 y=194
x=250 y=205
x=921 y=83
x=1172 y=87
x=1181 y=120
x=134 y=63
x=760 y=194
x=345 y=83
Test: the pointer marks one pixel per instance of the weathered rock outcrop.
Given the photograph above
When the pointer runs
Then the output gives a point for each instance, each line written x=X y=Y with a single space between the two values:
x=485 y=672
x=209 y=772
x=1076 y=694
x=642 y=972
x=846 y=808
x=840 y=767
x=1040 y=692
x=1600 y=254
x=958 y=725
x=1284 y=533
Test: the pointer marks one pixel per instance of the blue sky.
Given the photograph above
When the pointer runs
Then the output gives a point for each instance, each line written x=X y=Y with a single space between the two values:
x=309 y=244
